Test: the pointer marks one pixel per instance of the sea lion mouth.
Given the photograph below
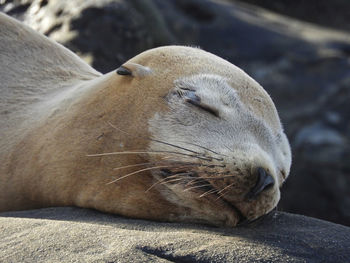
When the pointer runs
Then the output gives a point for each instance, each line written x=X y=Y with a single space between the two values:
x=206 y=190
x=241 y=217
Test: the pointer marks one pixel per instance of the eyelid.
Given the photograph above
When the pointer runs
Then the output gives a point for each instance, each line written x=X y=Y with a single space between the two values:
x=196 y=102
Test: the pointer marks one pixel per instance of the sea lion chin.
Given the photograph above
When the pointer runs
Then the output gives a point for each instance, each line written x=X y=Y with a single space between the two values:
x=175 y=134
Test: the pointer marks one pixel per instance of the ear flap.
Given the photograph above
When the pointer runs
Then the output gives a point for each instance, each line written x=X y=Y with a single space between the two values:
x=133 y=70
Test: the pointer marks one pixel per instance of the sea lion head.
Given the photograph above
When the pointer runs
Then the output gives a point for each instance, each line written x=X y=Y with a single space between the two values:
x=214 y=137
x=203 y=140
x=217 y=138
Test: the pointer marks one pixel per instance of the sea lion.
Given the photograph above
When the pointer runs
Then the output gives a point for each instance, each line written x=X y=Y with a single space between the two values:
x=174 y=134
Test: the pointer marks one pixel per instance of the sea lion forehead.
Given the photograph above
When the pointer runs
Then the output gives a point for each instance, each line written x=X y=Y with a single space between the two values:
x=172 y=63
x=184 y=61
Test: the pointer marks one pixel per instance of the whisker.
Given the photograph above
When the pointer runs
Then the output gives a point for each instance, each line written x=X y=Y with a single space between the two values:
x=221 y=195
x=145 y=152
x=138 y=171
x=159 y=162
x=201 y=178
x=205 y=148
x=116 y=128
x=163 y=180
x=159 y=141
x=176 y=177
x=208 y=192
x=174 y=180
x=186 y=149
x=132 y=165
x=198 y=164
x=198 y=186
x=226 y=187
x=194 y=180
x=177 y=146
x=118 y=153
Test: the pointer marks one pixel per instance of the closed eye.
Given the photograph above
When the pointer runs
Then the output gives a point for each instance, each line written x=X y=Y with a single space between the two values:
x=198 y=104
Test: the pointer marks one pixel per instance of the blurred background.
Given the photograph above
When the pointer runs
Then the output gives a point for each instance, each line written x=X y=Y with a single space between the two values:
x=299 y=51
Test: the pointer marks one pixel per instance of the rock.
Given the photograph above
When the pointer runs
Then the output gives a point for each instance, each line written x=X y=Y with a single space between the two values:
x=119 y=33
x=80 y=235
x=317 y=134
x=305 y=68
x=316 y=11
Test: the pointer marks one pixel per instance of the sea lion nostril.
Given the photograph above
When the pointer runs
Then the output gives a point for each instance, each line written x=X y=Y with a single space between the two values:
x=264 y=182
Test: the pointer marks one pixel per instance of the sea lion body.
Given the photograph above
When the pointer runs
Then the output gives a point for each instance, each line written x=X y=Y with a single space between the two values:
x=141 y=145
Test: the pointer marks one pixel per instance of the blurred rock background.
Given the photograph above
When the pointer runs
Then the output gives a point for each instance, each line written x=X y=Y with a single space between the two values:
x=305 y=68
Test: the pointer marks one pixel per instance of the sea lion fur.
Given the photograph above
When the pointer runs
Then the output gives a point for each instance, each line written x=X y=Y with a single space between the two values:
x=176 y=134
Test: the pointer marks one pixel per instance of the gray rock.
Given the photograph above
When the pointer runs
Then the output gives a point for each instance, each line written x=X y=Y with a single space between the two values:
x=80 y=235
x=318 y=134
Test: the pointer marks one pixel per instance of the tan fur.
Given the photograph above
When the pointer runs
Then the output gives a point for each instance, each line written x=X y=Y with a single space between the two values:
x=56 y=111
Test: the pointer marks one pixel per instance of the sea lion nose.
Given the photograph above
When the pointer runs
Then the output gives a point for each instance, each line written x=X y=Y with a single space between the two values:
x=264 y=182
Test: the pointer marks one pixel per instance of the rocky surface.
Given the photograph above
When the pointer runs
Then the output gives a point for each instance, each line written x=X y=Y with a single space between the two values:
x=334 y=14
x=305 y=68
x=80 y=235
